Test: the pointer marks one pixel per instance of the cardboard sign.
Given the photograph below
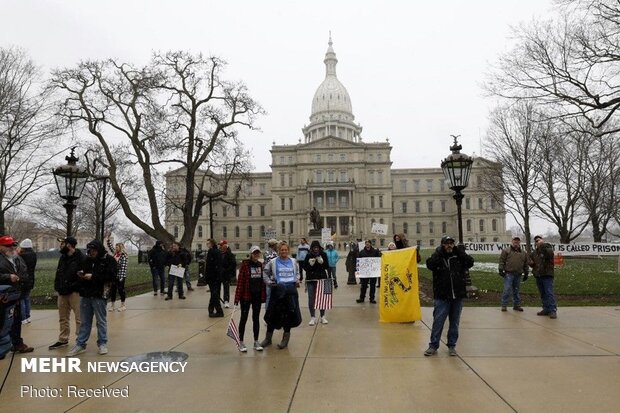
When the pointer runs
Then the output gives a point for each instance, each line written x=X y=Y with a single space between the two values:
x=368 y=267
x=380 y=229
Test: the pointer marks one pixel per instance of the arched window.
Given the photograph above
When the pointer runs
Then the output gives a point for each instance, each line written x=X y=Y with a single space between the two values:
x=418 y=228
x=199 y=231
x=444 y=227
x=481 y=225
x=262 y=230
x=249 y=231
x=431 y=228
x=405 y=228
x=469 y=225
x=494 y=225
x=176 y=232
x=224 y=232
x=236 y=232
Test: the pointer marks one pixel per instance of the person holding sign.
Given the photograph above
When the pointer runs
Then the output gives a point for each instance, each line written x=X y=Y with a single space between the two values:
x=177 y=260
x=449 y=265
x=316 y=265
x=367 y=252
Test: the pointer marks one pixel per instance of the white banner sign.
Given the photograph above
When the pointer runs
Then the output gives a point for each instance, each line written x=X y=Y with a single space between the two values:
x=564 y=249
x=368 y=267
x=326 y=235
x=177 y=271
x=380 y=229
x=270 y=234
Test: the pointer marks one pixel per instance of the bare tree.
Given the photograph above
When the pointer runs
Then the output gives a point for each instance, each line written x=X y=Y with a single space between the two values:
x=570 y=62
x=513 y=141
x=139 y=239
x=27 y=131
x=177 y=111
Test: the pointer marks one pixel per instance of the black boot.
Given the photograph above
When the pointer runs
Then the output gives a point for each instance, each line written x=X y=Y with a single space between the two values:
x=284 y=342
x=267 y=341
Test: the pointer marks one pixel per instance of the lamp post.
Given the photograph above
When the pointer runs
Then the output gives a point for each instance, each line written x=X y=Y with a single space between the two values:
x=457 y=168
x=70 y=180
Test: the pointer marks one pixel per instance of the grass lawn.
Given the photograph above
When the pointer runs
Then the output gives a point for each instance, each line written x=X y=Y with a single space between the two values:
x=581 y=281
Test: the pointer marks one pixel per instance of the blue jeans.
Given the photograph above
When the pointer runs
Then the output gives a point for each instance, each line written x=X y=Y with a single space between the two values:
x=311 y=287
x=450 y=309
x=331 y=272
x=512 y=283
x=545 y=288
x=187 y=278
x=159 y=277
x=90 y=306
x=25 y=306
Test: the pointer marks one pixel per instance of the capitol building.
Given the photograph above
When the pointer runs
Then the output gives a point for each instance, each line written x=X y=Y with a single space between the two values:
x=351 y=183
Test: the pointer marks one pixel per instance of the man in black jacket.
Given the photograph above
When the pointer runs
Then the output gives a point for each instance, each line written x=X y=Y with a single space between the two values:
x=180 y=258
x=66 y=285
x=13 y=271
x=99 y=269
x=448 y=264
x=30 y=258
x=367 y=252
x=229 y=270
x=541 y=261
x=213 y=276
x=157 y=262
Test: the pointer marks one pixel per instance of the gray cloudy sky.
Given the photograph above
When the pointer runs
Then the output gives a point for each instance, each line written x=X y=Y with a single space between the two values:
x=412 y=68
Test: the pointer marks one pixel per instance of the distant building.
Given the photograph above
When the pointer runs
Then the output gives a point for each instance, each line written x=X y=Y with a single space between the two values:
x=351 y=183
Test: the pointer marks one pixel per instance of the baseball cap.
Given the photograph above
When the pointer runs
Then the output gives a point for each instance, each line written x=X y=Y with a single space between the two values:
x=7 y=241
x=446 y=238
x=26 y=243
x=516 y=238
x=272 y=241
x=537 y=237
x=68 y=240
x=223 y=242
x=254 y=249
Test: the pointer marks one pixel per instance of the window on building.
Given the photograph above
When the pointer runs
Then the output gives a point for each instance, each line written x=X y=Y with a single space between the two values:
x=330 y=157
x=282 y=204
x=479 y=181
x=468 y=225
x=262 y=210
x=344 y=201
x=319 y=202
x=467 y=203
x=199 y=247
x=343 y=176
x=319 y=176
x=431 y=242
x=249 y=231
x=405 y=228
x=372 y=201
x=444 y=227
x=480 y=203
x=431 y=228
x=495 y=239
x=443 y=206
x=371 y=177
x=237 y=211
x=429 y=185
x=249 y=210
x=224 y=211
x=290 y=180
x=199 y=231
x=281 y=160
x=416 y=185
x=290 y=204
x=343 y=157
x=494 y=225
x=380 y=177
x=283 y=227
x=224 y=232
x=417 y=206
x=482 y=225
x=493 y=203
x=290 y=160
x=393 y=227
x=261 y=189
x=248 y=189
x=262 y=231
x=380 y=158
x=418 y=228
x=330 y=176
x=176 y=232
x=237 y=232
x=430 y=206
x=382 y=242
x=290 y=227
x=403 y=185
x=404 y=207
x=380 y=201
x=442 y=185
x=371 y=157
x=236 y=246
x=318 y=157
x=281 y=179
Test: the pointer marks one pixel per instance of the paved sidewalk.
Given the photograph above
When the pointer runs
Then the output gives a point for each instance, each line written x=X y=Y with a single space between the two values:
x=507 y=362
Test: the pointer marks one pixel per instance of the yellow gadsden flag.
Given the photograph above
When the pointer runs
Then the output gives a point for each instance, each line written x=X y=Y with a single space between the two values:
x=400 y=299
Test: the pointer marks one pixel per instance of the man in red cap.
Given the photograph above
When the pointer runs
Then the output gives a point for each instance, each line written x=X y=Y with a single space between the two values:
x=13 y=271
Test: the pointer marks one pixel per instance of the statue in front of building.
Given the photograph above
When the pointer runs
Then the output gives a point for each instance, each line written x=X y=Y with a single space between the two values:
x=315 y=219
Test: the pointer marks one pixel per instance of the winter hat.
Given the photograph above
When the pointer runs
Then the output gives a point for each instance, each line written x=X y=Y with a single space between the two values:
x=26 y=243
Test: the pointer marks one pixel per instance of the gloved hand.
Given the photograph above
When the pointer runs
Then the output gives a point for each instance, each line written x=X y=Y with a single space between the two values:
x=320 y=259
x=525 y=276
x=502 y=273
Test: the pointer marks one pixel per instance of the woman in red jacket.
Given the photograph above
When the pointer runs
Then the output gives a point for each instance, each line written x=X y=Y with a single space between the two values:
x=250 y=292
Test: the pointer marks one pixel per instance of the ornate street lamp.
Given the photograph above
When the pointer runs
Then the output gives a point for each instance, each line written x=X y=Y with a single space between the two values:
x=457 y=168
x=70 y=180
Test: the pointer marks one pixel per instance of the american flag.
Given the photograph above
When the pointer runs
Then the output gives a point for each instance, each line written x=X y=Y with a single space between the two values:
x=233 y=332
x=323 y=296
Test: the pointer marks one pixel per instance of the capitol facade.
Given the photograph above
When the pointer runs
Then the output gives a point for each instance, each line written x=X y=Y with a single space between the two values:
x=352 y=184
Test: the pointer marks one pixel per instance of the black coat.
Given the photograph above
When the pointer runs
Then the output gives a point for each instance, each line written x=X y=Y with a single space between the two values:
x=317 y=271
x=30 y=258
x=229 y=265
x=283 y=309
x=67 y=280
x=103 y=267
x=20 y=269
x=157 y=257
x=449 y=271
x=213 y=270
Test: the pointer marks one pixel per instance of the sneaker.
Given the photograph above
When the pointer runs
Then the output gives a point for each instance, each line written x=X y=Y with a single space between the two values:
x=111 y=308
x=553 y=314
x=452 y=351
x=312 y=321
x=25 y=321
x=543 y=312
x=359 y=300
x=23 y=348
x=226 y=305
x=103 y=349
x=324 y=320
x=518 y=308
x=243 y=348
x=58 y=344
x=430 y=351
x=257 y=346
x=77 y=349
x=121 y=308
x=504 y=308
